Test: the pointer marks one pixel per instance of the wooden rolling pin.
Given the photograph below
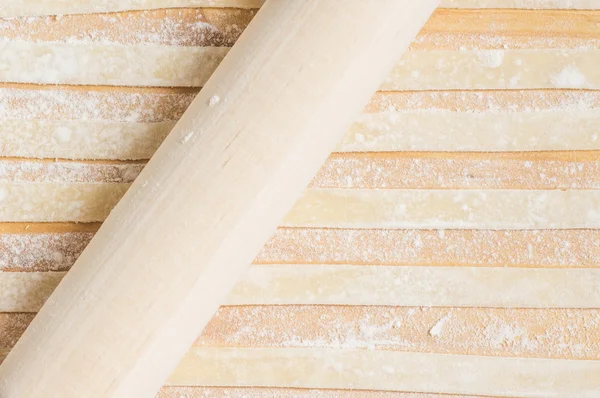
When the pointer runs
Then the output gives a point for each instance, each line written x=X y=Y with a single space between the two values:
x=210 y=197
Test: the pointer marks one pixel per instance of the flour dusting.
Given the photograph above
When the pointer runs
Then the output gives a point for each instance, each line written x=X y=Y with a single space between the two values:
x=214 y=100
x=438 y=328
x=569 y=77
x=491 y=58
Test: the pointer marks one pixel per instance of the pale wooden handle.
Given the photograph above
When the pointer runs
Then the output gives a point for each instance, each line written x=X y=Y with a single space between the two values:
x=210 y=197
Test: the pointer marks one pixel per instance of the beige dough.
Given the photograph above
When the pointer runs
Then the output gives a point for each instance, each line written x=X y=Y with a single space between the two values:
x=427 y=130
x=388 y=370
x=453 y=209
x=26 y=291
x=107 y=64
x=118 y=64
x=440 y=130
x=81 y=139
x=339 y=208
x=417 y=286
x=46 y=202
x=496 y=69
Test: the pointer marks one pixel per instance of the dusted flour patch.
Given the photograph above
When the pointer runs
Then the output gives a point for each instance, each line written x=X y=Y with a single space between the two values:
x=63 y=134
x=491 y=58
x=569 y=77
x=438 y=328
x=214 y=100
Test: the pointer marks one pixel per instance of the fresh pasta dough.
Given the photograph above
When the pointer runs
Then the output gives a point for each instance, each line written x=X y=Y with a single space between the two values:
x=388 y=370
x=404 y=286
x=452 y=209
x=339 y=208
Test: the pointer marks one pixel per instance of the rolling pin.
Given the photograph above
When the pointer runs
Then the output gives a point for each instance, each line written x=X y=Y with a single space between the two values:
x=210 y=197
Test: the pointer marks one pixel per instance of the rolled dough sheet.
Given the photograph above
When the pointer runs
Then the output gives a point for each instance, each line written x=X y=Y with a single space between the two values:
x=154 y=65
x=435 y=209
x=386 y=370
x=340 y=208
x=369 y=285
